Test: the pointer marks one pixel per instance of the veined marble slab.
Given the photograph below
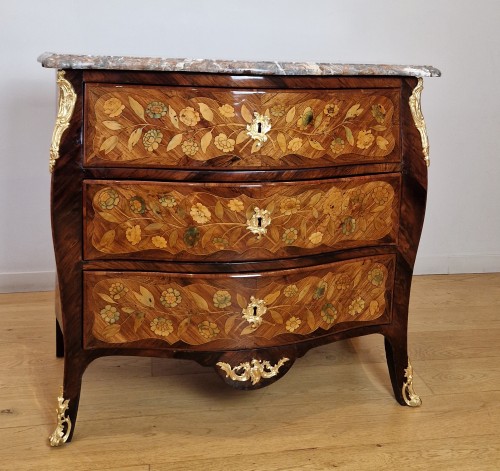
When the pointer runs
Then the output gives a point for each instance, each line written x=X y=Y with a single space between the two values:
x=72 y=61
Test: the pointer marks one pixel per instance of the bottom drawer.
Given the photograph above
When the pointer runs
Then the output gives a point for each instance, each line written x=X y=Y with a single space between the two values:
x=233 y=311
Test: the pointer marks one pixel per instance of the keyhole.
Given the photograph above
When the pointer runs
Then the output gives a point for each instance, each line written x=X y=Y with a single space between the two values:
x=255 y=310
x=259 y=127
x=259 y=222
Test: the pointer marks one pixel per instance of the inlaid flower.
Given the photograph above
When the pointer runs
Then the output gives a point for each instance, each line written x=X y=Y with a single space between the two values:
x=137 y=204
x=167 y=200
x=113 y=107
x=208 y=329
x=306 y=118
x=365 y=139
x=108 y=199
x=236 y=205
x=295 y=144
x=191 y=236
x=220 y=243
x=278 y=111
x=380 y=195
x=200 y=213
x=189 y=116
x=379 y=113
x=320 y=290
x=223 y=143
x=117 y=290
x=156 y=109
x=343 y=282
x=290 y=291
x=356 y=198
x=334 y=203
x=159 y=241
x=331 y=109
x=348 y=225
x=190 y=147
x=289 y=206
x=152 y=139
x=290 y=235
x=227 y=111
x=337 y=145
x=356 y=306
x=316 y=237
x=170 y=297
x=376 y=275
x=293 y=324
x=222 y=299
x=329 y=313
x=110 y=314
x=162 y=326
x=133 y=234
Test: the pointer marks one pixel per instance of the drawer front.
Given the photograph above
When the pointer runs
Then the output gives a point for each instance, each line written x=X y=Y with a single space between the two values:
x=236 y=311
x=183 y=221
x=137 y=126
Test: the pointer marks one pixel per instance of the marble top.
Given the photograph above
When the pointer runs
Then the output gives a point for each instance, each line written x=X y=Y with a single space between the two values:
x=72 y=61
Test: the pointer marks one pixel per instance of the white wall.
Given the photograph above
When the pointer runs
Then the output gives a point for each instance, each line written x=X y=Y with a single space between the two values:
x=462 y=229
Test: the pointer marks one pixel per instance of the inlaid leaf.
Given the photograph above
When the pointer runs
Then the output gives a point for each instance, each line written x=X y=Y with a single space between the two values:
x=379 y=224
x=229 y=324
x=113 y=125
x=281 y=141
x=242 y=136
x=249 y=330
x=303 y=292
x=245 y=113
x=315 y=144
x=107 y=238
x=138 y=320
x=145 y=297
x=255 y=147
x=277 y=317
x=382 y=142
x=174 y=142
x=374 y=308
x=361 y=223
x=357 y=278
x=378 y=209
x=108 y=216
x=205 y=141
x=183 y=326
x=315 y=213
x=107 y=298
x=219 y=210
x=267 y=113
x=173 y=117
x=206 y=112
x=137 y=107
x=154 y=226
x=318 y=120
x=134 y=138
x=354 y=111
x=349 y=136
x=315 y=199
x=199 y=301
x=111 y=330
x=172 y=238
x=207 y=237
x=275 y=234
x=270 y=298
x=109 y=144
x=290 y=115
x=128 y=310
x=379 y=127
x=303 y=229
x=241 y=301
x=311 y=322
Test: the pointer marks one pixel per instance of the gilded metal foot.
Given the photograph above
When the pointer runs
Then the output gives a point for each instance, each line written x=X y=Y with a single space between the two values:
x=63 y=429
x=409 y=395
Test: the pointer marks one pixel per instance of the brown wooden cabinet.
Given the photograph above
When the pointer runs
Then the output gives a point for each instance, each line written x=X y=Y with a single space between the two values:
x=236 y=218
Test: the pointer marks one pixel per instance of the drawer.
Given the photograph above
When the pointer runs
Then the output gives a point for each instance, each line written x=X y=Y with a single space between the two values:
x=168 y=127
x=230 y=222
x=235 y=311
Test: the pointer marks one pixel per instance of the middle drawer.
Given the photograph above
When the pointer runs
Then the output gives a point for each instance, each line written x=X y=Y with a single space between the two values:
x=236 y=221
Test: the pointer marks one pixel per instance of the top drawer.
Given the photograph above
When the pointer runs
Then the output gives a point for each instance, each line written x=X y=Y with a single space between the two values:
x=179 y=127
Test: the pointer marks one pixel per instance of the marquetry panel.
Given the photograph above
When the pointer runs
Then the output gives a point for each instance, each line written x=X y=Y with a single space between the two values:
x=154 y=220
x=142 y=126
x=239 y=311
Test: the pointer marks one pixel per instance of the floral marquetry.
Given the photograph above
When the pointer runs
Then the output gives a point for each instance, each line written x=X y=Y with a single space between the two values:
x=198 y=309
x=165 y=126
x=190 y=221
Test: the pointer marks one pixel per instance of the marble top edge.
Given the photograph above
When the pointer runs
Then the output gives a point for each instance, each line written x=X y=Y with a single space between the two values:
x=73 y=61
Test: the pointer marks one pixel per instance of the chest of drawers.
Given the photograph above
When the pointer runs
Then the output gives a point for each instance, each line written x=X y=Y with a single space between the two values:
x=233 y=214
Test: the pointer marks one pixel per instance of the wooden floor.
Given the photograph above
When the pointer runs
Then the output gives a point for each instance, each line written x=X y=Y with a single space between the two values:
x=333 y=410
